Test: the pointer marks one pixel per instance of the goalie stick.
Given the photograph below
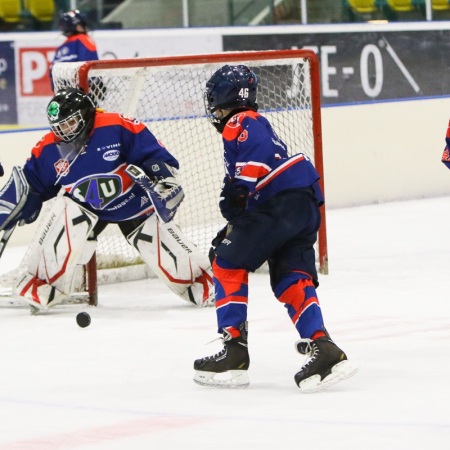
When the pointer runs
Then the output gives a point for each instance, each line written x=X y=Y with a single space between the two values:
x=5 y=238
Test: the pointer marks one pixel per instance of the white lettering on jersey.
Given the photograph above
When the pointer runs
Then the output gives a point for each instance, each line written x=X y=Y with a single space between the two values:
x=108 y=192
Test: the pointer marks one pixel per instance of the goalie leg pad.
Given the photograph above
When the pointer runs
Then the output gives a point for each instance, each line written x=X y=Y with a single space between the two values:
x=60 y=247
x=175 y=260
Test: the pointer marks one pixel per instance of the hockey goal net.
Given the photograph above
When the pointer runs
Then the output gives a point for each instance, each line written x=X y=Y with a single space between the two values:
x=167 y=95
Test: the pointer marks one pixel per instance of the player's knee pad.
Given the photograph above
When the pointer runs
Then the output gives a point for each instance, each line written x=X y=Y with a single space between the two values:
x=230 y=281
x=296 y=293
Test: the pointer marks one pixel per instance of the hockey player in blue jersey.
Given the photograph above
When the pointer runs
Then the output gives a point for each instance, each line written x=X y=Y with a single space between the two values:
x=271 y=202
x=83 y=161
x=78 y=46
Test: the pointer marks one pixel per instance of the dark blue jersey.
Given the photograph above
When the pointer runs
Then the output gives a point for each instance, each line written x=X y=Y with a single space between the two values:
x=255 y=157
x=96 y=177
x=79 y=47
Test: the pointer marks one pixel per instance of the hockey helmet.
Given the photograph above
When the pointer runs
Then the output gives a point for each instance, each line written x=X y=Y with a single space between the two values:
x=230 y=87
x=71 y=115
x=69 y=21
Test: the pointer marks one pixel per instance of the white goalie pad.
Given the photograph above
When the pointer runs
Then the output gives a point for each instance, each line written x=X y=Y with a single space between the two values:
x=175 y=260
x=60 y=248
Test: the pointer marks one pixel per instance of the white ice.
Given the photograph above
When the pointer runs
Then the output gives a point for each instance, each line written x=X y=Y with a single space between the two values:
x=125 y=382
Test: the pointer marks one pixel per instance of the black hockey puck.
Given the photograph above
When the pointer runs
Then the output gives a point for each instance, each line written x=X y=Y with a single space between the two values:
x=83 y=319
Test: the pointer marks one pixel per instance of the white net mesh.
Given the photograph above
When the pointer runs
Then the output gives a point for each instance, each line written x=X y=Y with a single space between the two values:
x=169 y=99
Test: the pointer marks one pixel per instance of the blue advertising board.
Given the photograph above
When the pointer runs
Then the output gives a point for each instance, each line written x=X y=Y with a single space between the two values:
x=8 y=99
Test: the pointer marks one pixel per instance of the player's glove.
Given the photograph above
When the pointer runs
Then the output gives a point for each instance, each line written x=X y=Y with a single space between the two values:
x=220 y=236
x=233 y=200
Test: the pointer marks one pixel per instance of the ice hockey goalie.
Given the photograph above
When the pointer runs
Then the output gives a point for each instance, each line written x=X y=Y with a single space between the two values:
x=82 y=164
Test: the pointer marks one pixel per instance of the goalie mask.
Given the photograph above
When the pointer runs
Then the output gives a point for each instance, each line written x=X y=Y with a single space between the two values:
x=71 y=115
x=230 y=87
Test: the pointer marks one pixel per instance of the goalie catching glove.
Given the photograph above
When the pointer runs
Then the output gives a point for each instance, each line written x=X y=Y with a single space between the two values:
x=161 y=186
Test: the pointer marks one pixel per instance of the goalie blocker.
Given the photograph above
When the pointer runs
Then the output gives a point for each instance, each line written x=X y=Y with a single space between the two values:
x=18 y=205
x=65 y=243
x=13 y=199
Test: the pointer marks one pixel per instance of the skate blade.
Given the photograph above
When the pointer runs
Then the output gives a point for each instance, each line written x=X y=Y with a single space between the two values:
x=229 y=379
x=341 y=371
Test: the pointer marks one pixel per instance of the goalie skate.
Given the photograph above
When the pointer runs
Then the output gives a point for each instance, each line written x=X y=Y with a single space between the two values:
x=35 y=310
x=37 y=294
x=327 y=365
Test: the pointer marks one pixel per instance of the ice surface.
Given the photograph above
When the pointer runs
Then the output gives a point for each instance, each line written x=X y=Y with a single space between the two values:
x=125 y=382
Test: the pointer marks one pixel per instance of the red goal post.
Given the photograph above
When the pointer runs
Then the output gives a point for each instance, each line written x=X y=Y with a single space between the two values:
x=166 y=93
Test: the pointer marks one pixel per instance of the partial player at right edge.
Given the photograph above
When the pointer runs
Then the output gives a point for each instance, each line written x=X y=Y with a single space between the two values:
x=271 y=202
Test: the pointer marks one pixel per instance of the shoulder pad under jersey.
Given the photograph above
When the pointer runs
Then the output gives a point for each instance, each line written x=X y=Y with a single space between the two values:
x=47 y=139
x=233 y=127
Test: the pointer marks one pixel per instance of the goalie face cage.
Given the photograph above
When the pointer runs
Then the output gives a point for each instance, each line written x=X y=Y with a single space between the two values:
x=167 y=94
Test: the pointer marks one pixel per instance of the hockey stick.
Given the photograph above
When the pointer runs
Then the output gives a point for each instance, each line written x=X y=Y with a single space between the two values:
x=5 y=238
x=165 y=205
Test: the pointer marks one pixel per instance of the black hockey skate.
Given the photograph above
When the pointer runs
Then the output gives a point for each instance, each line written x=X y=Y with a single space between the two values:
x=327 y=365
x=229 y=367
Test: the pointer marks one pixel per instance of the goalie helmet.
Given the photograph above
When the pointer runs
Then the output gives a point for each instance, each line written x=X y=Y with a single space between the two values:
x=230 y=87
x=69 y=21
x=71 y=115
